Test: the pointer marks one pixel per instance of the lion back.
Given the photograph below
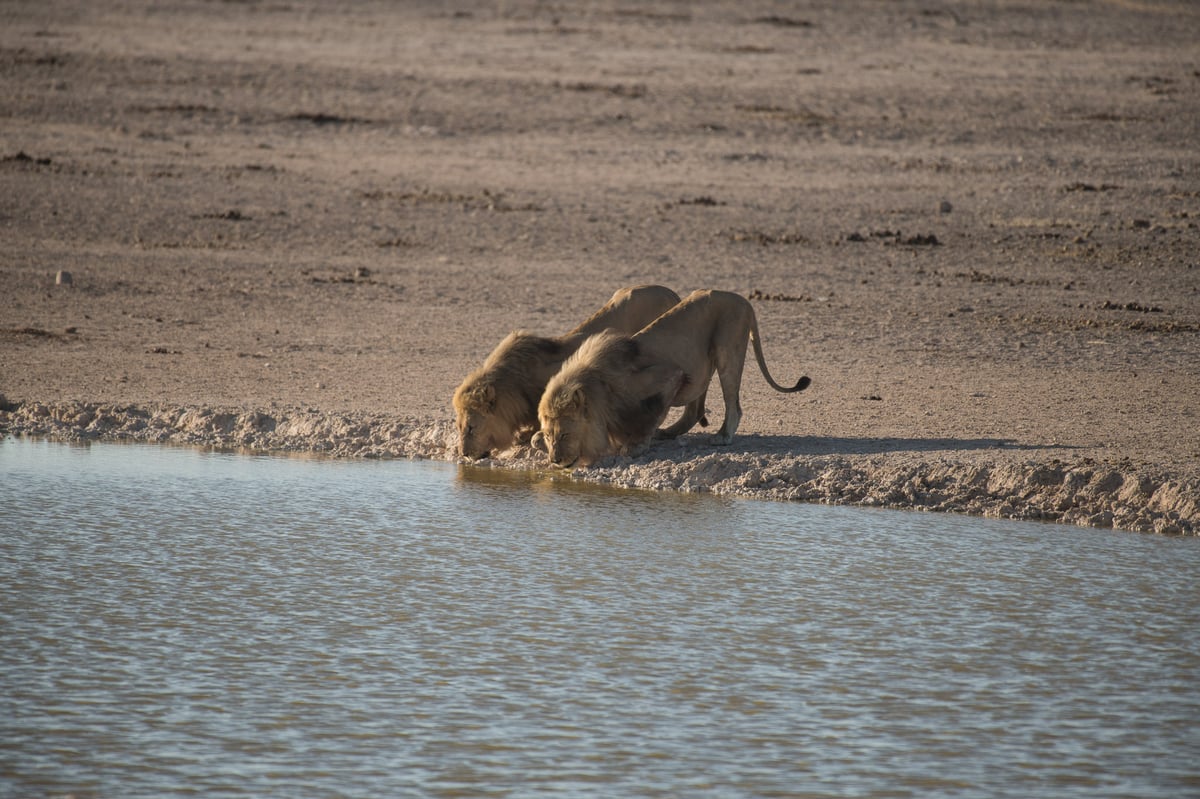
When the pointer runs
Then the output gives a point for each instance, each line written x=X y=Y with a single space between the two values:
x=629 y=310
x=516 y=373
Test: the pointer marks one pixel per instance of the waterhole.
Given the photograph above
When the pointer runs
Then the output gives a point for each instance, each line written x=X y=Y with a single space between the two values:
x=175 y=622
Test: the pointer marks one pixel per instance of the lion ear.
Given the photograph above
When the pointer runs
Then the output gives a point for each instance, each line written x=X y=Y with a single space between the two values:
x=577 y=400
x=567 y=401
x=485 y=397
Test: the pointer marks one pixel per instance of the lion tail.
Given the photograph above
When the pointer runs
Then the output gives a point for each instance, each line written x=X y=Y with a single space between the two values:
x=801 y=384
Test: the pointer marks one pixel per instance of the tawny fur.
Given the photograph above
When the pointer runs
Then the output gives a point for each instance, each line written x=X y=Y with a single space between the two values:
x=496 y=405
x=588 y=410
x=606 y=395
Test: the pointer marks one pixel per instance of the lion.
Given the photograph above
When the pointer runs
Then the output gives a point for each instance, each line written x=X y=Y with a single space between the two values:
x=614 y=392
x=496 y=405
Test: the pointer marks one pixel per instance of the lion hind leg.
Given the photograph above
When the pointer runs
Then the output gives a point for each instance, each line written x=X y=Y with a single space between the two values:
x=729 y=371
x=733 y=417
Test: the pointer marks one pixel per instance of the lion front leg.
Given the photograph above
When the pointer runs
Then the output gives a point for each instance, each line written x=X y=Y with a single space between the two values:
x=693 y=413
x=634 y=449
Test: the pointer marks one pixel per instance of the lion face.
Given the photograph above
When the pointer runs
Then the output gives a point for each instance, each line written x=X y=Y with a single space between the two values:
x=562 y=442
x=480 y=430
x=479 y=435
x=570 y=435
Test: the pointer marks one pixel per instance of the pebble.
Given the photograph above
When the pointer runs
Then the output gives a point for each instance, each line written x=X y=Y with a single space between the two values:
x=62 y=278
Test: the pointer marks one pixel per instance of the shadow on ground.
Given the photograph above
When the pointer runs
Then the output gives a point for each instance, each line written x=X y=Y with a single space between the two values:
x=838 y=445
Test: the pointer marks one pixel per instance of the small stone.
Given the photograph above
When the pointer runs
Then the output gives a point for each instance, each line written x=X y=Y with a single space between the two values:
x=62 y=278
x=945 y=207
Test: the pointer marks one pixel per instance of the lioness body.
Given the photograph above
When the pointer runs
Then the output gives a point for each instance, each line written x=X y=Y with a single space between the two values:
x=496 y=405
x=614 y=392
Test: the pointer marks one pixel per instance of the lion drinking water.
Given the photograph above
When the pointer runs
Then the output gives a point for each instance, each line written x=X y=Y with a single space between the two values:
x=613 y=393
x=496 y=405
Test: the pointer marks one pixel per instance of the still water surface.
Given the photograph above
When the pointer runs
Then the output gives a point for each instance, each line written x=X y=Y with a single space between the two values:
x=178 y=622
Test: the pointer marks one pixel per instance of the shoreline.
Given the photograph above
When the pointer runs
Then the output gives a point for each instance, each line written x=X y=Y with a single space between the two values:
x=1084 y=492
x=297 y=227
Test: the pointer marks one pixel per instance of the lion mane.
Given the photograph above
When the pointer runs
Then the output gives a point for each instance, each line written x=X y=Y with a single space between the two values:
x=590 y=409
x=496 y=405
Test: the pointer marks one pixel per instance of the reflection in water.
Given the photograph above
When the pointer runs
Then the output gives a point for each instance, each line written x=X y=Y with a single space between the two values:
x=552 y=485
x=176 y=621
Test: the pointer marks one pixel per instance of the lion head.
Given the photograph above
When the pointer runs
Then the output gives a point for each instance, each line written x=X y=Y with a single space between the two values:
x=481 y=430
x=499 y=400
x=574 y=430
x=602 y=401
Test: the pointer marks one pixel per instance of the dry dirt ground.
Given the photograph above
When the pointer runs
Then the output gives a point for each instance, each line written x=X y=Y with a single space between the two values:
x=296 y=225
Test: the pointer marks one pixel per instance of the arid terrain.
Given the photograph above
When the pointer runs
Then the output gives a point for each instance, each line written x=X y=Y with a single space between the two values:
x=295 y=226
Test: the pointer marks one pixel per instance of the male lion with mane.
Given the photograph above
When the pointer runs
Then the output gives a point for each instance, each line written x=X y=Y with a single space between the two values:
x=612 y=394
x=496 y=405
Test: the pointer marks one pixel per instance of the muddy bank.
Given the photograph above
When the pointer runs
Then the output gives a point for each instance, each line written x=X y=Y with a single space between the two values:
x=1082 y=492
x=297 y=226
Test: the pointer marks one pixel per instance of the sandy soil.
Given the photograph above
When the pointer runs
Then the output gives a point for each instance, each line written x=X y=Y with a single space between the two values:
x=297 y=225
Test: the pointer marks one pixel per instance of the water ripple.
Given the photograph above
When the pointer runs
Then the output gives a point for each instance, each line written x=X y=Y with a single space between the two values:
x=180 y=622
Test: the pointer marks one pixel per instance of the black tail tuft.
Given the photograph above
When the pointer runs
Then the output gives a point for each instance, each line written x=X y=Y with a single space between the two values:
x=801 y=384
